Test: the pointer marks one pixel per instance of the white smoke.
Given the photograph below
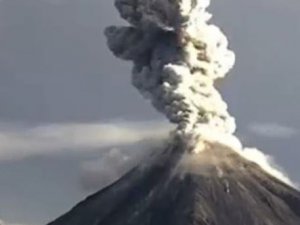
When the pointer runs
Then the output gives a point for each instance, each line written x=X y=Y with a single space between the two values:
x=17 y=142
x=178 y=56
x=101 y=171
x=267 y=163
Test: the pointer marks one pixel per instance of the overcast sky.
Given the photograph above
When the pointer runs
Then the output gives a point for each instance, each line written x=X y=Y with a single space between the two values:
x=70 y=121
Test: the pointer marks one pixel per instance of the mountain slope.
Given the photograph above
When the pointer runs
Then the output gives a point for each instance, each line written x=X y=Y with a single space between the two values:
x=215 y=187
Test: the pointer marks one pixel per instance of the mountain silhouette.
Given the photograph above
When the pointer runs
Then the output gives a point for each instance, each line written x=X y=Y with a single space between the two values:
x=177 y=187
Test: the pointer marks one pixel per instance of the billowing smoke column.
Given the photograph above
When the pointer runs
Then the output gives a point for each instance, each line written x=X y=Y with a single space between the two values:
x=177 y=57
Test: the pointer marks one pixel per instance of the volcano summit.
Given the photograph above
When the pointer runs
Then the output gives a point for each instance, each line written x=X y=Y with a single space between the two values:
x=203 y=176
x=214 y=187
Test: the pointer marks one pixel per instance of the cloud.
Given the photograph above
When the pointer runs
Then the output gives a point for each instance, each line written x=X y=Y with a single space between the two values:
x=17 y=142
x=272 y=130
x=4 y=223
x=99 y=172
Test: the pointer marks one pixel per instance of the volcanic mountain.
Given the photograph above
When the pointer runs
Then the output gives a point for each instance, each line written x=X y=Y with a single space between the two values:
x=214 y=187
x=178 y=56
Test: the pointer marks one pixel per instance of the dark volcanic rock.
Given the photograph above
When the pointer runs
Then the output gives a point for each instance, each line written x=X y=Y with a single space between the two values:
x=216 y=187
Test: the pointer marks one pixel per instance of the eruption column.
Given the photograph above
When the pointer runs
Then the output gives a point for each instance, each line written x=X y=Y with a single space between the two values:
x=177 y=57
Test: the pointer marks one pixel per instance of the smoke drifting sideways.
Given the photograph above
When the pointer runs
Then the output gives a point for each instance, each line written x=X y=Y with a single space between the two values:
x=177 y=58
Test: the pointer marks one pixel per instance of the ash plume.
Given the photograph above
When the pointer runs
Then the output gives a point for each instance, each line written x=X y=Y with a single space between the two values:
x=177 y=58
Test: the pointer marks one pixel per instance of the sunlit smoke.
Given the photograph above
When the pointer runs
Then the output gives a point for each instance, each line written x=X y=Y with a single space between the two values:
x=177 y=57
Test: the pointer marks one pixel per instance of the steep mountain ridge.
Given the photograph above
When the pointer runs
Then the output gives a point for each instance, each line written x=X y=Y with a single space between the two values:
x=214 y=187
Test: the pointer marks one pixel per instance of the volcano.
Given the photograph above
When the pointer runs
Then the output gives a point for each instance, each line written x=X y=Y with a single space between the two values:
x=201 y=177
x=214 y=187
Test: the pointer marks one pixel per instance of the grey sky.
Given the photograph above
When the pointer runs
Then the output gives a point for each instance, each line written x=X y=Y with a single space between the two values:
x=55 y=68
